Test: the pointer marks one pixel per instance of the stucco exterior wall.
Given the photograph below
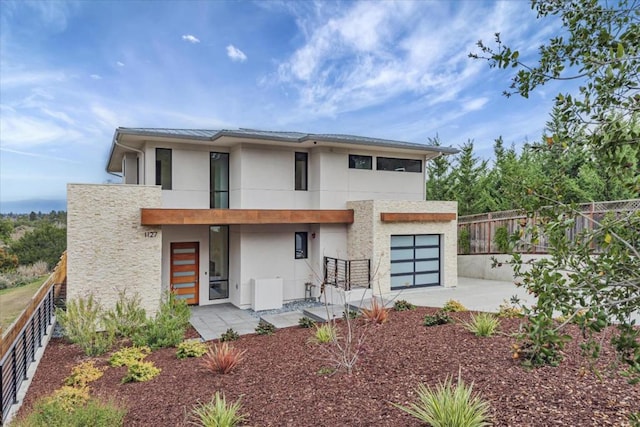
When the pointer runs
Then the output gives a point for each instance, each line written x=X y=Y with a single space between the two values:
x=107 y=248
x=268 y=252
x=479 y=266
x=369 y=237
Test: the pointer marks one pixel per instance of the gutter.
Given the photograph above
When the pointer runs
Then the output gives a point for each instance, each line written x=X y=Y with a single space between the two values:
x=126 y=147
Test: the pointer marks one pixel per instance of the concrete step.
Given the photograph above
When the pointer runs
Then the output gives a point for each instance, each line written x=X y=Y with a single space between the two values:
x=324 y=313
x=283 y=320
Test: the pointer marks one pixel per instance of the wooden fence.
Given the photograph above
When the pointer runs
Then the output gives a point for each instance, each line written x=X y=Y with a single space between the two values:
x=477 y=233
x=23 y=338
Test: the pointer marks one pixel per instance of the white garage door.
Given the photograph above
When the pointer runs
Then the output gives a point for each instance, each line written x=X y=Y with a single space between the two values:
x=415 y=260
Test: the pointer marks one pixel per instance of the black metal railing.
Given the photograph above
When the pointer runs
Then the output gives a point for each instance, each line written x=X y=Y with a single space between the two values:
x=347 y=274
x=22 y=352
x=26 y=335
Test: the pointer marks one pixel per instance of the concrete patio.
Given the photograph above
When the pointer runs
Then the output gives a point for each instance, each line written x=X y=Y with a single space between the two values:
x=476 y=294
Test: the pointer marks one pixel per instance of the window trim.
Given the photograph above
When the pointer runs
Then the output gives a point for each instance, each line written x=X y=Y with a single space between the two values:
x=353 y=164
x=300 y=156
x=303 y=252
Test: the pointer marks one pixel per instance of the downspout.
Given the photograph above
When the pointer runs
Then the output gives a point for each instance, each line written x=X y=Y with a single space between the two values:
x=115 y=141
x=424 y=187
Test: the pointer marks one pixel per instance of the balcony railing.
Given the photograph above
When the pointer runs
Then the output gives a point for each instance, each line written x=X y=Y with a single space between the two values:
x=347 y=274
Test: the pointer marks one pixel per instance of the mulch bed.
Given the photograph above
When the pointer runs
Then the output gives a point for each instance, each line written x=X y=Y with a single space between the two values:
x=281 y=381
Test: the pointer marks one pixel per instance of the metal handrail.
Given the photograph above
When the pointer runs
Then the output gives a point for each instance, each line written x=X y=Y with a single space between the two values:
x=20 y=343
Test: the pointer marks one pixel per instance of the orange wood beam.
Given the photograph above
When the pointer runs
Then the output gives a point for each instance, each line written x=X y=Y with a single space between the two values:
x=417 y=216
x=244 y=216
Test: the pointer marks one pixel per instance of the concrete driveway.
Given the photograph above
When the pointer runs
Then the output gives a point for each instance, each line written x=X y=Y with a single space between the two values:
x=474 y=294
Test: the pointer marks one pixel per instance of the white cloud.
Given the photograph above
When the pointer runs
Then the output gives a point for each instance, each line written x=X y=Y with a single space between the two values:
x=372 y=52
x=190 y=38
x=236 y=54
x=96 y=77
x=40 y=155
x=120 y=64
x=23 y=129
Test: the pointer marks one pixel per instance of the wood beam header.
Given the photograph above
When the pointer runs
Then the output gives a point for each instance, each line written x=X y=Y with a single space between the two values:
x=244 y=216
x=417 y=216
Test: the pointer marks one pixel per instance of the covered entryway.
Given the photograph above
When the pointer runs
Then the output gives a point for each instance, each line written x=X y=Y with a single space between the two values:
x=184 y=271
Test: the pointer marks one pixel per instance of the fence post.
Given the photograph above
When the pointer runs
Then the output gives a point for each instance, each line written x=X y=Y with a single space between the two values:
x=490 y=221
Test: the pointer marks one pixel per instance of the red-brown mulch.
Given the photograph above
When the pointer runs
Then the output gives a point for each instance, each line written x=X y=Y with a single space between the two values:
x=280 y=384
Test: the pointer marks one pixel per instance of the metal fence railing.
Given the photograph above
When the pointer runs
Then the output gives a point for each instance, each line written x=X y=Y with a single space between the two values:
x=347 y=274
x=22 y=340
x=477 y=233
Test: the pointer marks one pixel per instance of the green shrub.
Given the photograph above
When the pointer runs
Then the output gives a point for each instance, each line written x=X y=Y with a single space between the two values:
x=509 y=310
x=80 y=322
x=127 y=317
x=218 y=413
x=453 y=306
x=265 y=328
x=68 y=398
x=127 y=356
x=141 y=371
x=230 y=335
x=306 y=322
x=403 y=305
x=92 y=412
x=325 y=333
x=440 y=318
x=464 y=241
x=45 y=243
x=351 y=313
x=83 y=374
x=482 y=325
x=501 y=240
x=448 y=405
x=191 y=348
x=168 y=327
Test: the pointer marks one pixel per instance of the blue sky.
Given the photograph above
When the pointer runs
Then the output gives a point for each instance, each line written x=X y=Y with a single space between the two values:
x=70 y=73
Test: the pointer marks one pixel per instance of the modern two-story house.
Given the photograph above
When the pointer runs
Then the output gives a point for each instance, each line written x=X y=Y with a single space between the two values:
x=257 y=218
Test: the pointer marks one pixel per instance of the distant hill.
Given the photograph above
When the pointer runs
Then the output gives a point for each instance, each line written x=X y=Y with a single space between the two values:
x=33 y=205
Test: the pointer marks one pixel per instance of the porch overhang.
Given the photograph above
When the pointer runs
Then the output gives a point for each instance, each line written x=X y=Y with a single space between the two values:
x=417 y=216
x=244 y=216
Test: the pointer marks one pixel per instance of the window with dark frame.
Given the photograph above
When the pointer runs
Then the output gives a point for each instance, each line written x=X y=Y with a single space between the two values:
x=398 y=165
x=219 y=181
x=357 y=161
x=301 y=244
x=301 y=168
x=163 y=168
x=415 y=260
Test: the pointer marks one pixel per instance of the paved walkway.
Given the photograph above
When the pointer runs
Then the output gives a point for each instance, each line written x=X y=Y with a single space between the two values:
x=211 y=321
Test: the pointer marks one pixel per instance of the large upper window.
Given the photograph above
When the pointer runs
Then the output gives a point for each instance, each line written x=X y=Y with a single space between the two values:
x=219 y=185
x=301 y=171
x=163 y=168
x=398 y=165
x=360 y=162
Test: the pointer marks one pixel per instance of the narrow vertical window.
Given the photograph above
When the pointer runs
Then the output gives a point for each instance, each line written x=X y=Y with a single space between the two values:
x=301 y=244
x=219 y=185
x=301 y=171
x=163 y=168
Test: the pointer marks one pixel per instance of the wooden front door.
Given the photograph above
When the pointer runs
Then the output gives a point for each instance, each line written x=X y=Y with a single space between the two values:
x=184 y=271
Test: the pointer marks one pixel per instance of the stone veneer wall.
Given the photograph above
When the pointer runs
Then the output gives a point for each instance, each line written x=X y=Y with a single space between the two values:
x=369 y=237
x=107 y=248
